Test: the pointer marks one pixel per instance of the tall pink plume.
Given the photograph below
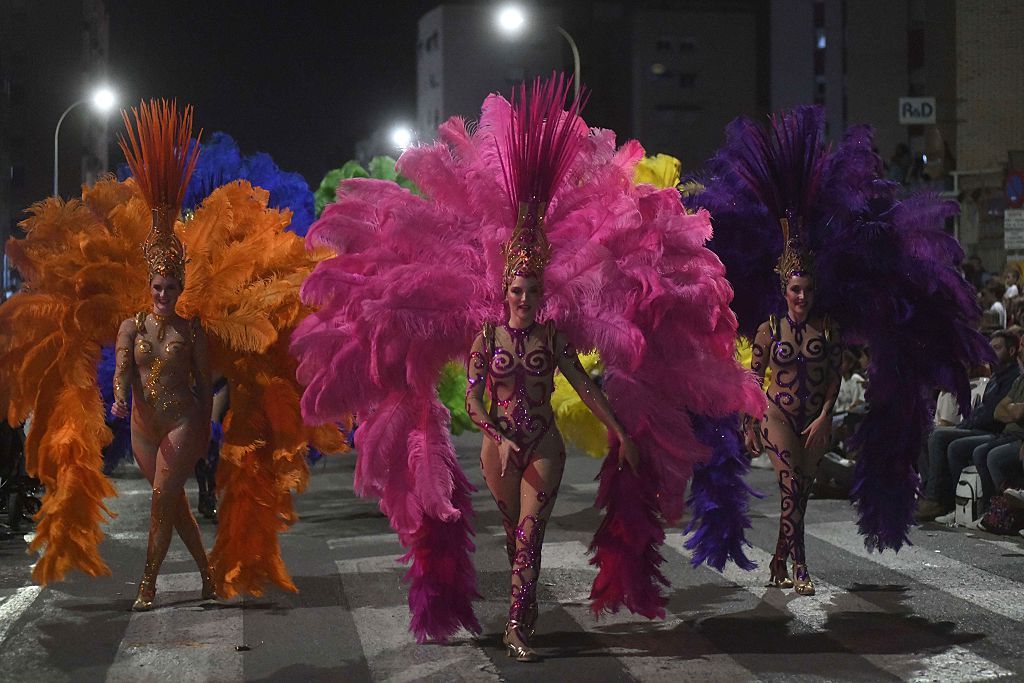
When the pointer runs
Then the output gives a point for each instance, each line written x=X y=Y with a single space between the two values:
x=414 y=279
x=543 y=140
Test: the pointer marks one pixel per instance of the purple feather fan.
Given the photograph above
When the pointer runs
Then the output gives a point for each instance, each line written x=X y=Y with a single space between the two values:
x=886 y=272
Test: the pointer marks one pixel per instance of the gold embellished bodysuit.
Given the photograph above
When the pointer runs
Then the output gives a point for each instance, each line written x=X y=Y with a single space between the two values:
x=163 y=358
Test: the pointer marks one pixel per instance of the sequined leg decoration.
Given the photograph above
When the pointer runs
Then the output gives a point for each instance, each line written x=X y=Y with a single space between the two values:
x=778 y=576
x=161 y=525
x=188 y=530
x=525 y=571
x=802 y=583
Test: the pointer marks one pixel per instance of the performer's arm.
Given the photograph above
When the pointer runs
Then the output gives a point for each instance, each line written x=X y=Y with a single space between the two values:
x=760 y=350
x=476 y=380
x=591 y=395
x=124 y=367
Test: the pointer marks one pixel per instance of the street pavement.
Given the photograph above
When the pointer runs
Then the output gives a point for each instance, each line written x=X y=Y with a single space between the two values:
x=946 y=609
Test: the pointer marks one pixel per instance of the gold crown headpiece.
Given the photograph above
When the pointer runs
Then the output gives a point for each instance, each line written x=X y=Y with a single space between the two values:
x=162 y=157
x=795 y=258
x=527 y=252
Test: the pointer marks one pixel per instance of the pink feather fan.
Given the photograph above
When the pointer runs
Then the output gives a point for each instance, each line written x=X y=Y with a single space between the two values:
x=414 y=279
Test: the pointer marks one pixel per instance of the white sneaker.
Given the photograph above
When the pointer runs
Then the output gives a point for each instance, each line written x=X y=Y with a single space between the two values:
x=1016 y=494
x=948 y=518
x=762 y=462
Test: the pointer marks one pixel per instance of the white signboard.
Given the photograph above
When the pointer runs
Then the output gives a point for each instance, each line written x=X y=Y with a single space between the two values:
x=917 y=110
x=1013 y=230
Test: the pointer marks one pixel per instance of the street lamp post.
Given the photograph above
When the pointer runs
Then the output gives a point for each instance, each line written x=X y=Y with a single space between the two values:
x=512 y=19
x=102 y=100
x=575 y=63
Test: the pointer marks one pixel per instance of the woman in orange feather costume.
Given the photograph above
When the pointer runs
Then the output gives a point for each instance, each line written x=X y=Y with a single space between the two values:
x=84 y=273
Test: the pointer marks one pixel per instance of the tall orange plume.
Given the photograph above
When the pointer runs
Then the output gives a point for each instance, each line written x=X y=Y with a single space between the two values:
x=158 y=153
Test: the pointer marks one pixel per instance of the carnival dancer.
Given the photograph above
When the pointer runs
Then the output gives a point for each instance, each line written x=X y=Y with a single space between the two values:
x=884 y=273
x=236 y=295
x=422 y=279
x=803 y=352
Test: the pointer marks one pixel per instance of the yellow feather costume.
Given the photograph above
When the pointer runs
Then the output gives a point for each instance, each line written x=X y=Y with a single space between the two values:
x=84 y=272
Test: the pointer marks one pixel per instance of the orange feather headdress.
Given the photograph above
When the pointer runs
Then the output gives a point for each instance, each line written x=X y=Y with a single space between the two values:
x=161 y=159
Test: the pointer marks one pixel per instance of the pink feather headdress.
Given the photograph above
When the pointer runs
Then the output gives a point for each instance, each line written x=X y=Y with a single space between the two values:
x=541 y=144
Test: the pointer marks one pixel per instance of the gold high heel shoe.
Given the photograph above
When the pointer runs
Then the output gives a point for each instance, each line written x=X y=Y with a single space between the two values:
x=778 y=577
x=147 y=594
x=802 y=583
x=521 y=653
x=209 y=587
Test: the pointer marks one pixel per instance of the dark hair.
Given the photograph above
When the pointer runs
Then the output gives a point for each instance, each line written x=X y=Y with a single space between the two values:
x=850 y=357
x=1011 y=340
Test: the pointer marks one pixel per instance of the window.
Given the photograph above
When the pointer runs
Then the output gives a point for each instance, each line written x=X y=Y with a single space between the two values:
x=663 y=45
x=687 y=80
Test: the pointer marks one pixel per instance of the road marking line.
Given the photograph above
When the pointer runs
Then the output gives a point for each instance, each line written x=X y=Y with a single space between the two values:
x=180 y=639
x=387 y=540
x=572 y=555
x=392 y=653
x=952 y=664
x=931 y=568
x=14 y=606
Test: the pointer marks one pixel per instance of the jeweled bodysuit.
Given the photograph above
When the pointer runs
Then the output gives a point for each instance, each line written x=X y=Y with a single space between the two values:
x=160 y=361
x=518 y=366
x=804 y=359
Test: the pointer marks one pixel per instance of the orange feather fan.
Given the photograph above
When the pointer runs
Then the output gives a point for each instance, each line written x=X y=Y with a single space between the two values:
x=84 y=273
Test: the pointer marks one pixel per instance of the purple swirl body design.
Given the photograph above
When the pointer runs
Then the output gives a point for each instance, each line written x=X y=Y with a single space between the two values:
x=800 y=373
x=521 y=382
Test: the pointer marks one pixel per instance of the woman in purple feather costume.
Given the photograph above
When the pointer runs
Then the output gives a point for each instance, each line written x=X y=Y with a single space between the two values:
x=886 y=272
x=803 y=353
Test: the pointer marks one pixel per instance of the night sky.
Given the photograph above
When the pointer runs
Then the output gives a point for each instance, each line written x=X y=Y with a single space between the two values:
x=302 y=81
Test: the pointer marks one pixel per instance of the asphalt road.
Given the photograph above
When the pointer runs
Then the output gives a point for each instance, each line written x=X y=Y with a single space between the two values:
x=947 y=609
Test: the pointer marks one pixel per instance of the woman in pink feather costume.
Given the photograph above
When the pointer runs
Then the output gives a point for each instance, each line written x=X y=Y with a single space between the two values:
x=420 y=280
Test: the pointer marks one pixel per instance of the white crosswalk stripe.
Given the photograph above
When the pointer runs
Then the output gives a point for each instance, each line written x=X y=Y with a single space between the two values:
x=935 y=618
x=14 y=605
x=954 y=664
x=983 y=589
x=389 y=648
x=180 y=639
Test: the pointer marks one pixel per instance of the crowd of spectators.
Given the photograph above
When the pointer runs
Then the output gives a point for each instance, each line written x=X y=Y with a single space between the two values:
x=991 y=438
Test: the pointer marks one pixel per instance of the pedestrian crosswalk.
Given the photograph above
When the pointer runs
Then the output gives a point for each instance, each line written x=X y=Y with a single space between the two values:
x=945 y=609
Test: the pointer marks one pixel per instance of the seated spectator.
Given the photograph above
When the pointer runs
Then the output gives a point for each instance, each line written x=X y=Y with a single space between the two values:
x=1011 y=278
x=990 y=300
x=981 y=427
x=999 y=461
x=947 y=412
x=850 y=405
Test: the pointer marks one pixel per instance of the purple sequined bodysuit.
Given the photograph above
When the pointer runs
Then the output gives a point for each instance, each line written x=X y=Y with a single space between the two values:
x=803 y=363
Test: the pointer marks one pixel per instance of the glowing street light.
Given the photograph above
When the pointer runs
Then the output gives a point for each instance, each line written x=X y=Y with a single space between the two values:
x=511 y=20
x=401 y=137
x=102 y=100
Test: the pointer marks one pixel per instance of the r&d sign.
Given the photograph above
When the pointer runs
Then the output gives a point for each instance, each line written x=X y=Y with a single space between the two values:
x=917 y=110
